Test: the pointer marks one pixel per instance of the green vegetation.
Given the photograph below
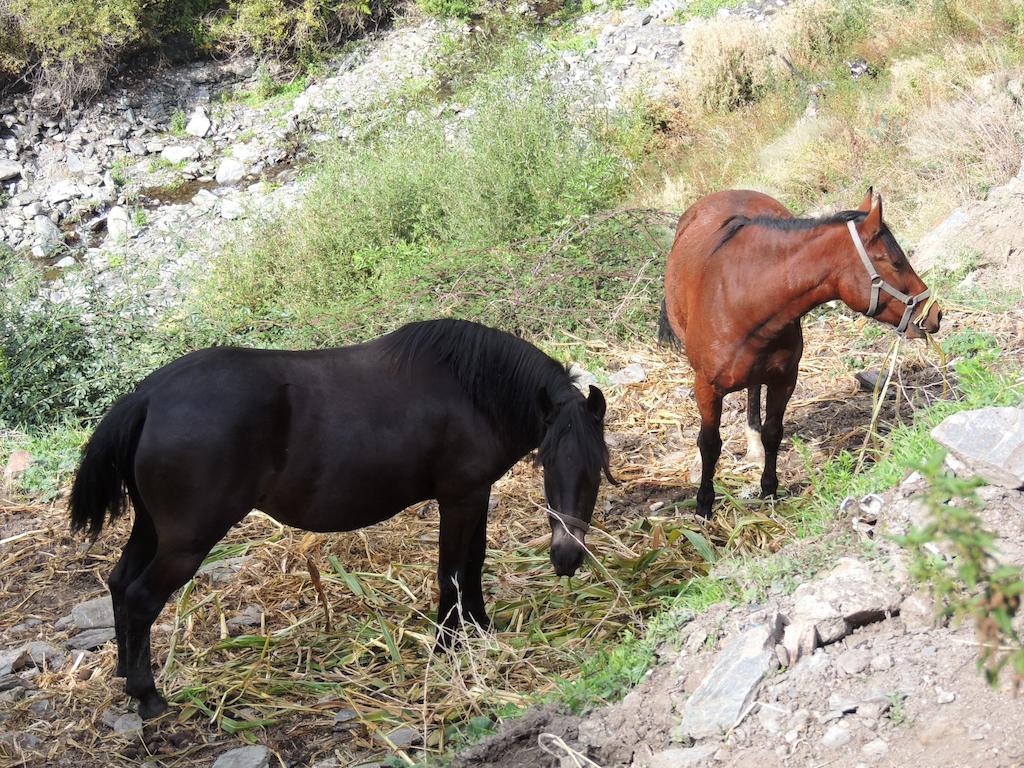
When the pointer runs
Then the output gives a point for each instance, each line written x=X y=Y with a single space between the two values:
x=704 y=9
x=70 y=46
x=971 y=583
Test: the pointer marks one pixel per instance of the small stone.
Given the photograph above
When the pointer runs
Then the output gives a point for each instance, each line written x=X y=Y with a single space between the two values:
x=584 y=379
x=944 y=697
x=682 y=757
x=836 y=736
x=119 y=224
x=221 y=572
x=178 y=154
x=43 y=654
x=230 y=171
x=345 y=719
x=66 y=262
x=127 y=724
x=9 y=170
x=98 y=612
x=231 y=209
x=403 y=737
x=881 y=663
x=91 y=639
x=137 y=147
x=244 y=757
x=251 y=616
x=66 y=189
x=48 y=234
x=199 y=124
x=631 y=374
x=13 y=660
x=854 y=662
x=988 y=442
x=875 y=749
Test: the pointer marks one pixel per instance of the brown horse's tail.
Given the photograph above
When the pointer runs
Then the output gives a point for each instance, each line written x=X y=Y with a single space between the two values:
x=665 y=333
x=107 y=467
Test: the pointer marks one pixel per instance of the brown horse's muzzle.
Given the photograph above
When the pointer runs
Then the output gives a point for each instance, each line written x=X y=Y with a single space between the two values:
x=927 y=323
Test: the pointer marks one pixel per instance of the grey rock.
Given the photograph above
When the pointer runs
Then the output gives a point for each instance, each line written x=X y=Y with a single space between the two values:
x=48 y=234
x=882 y=662
x=988 y=442
x=199 y=124
x=66 y=262
x=723 y=698
x=9 y=170
x=32 y=210
x=91 y=639
x=250 y=616
x=800 y=640
x=13 y=660
x=633 y=373
x=221 y=572
x=16 y=742
x=403 y=737
x=850 y=596
x=230 y=171
x=119 y=224
x=127 y=724
x=137 y=147
x=836 y=736
x=682 y=757
x=43 y=654
x=244 y=757
x=178 y=154
x=875 y=749
x=854 y=661
x=66 y=189
x=345 y=719
x=231 y=209
x=98 y=612
x=584 y=378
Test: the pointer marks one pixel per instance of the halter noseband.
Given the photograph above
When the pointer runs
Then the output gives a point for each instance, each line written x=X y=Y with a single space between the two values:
x=878 y=283
x=575 y=526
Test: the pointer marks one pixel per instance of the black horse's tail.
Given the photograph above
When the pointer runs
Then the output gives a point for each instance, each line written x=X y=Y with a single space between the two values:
x=665 y=333
x=107 y=468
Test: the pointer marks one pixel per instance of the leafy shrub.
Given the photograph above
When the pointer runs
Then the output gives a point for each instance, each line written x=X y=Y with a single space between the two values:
x=449 y=9
x=62 y=359
x=417 y=223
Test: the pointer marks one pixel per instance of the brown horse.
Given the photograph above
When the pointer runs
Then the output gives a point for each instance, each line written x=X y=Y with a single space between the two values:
x=741 y=274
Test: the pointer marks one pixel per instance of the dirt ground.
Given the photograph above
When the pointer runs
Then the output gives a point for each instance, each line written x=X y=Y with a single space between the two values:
x=247 y=656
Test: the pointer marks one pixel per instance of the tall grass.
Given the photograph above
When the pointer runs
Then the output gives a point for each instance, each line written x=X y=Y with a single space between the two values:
x=430 y=218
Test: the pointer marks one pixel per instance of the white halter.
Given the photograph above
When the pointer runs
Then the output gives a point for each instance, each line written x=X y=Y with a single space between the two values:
x=878 y=283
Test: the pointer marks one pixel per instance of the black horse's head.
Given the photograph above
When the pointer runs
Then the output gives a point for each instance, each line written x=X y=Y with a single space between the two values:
x=574 y=455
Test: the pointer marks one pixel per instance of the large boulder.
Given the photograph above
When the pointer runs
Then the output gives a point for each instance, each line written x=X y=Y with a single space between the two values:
x=988 y=442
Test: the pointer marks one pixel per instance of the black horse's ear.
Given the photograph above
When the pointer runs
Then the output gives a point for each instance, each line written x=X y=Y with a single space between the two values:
x=547 y=408
x=596 y=403
x=865 y=204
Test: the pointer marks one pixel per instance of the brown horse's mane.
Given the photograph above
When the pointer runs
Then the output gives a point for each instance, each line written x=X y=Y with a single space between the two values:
x=732 y=226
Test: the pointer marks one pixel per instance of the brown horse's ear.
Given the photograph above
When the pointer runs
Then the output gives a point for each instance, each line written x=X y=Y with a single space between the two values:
x=873 y=221
x=596 y=403
x=865 y=204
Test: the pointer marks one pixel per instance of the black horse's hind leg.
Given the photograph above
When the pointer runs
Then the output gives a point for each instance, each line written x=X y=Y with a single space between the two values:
x=709 y=441
x=775 y=408
x=462 y=542
x=175 y=562
x=137 y=553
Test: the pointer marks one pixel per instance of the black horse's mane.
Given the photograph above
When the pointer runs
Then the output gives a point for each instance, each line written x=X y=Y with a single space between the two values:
x=503 y=375
x=732 y=226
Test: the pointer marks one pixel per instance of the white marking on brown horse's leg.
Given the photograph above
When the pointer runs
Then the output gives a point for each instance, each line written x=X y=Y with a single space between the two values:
x=755 y=448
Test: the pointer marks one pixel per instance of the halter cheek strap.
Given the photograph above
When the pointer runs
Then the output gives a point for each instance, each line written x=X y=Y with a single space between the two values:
x=879 y=284
x=576 y=526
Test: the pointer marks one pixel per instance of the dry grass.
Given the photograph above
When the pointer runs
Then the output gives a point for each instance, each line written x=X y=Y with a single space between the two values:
x=281 y=682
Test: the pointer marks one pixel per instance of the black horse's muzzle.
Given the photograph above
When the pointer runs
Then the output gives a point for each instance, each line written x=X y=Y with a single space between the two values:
x=567 y=543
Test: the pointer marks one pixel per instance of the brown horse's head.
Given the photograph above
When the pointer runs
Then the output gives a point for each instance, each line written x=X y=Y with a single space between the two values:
x=886 y=287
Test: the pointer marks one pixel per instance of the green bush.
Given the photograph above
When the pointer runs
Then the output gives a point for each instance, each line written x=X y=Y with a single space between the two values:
x=417 y=223
x=63 y=360
x=449 y=9
x=68 y=46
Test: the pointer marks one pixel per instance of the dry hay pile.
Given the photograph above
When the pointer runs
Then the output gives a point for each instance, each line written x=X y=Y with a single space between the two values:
x=343 y=621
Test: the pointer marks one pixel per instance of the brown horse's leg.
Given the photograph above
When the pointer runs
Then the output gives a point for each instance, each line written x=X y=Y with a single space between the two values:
x=755 y=451
x=709 y=441
x=175 y=562
x=460 y=559
x=775 y=408
x=134 y=558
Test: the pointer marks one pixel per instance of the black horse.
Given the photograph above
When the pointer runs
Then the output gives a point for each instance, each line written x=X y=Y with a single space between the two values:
x=334 y=440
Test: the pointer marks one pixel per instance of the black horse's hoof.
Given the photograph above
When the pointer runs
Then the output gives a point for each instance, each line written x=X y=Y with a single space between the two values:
x=121 y=670
x=152 y=705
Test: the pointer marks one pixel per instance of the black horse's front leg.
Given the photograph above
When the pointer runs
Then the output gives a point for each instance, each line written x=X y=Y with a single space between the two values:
x=462 y=545
x=771 y=433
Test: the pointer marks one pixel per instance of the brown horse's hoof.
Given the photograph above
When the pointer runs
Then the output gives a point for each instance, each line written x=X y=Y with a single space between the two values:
x=152 y=705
